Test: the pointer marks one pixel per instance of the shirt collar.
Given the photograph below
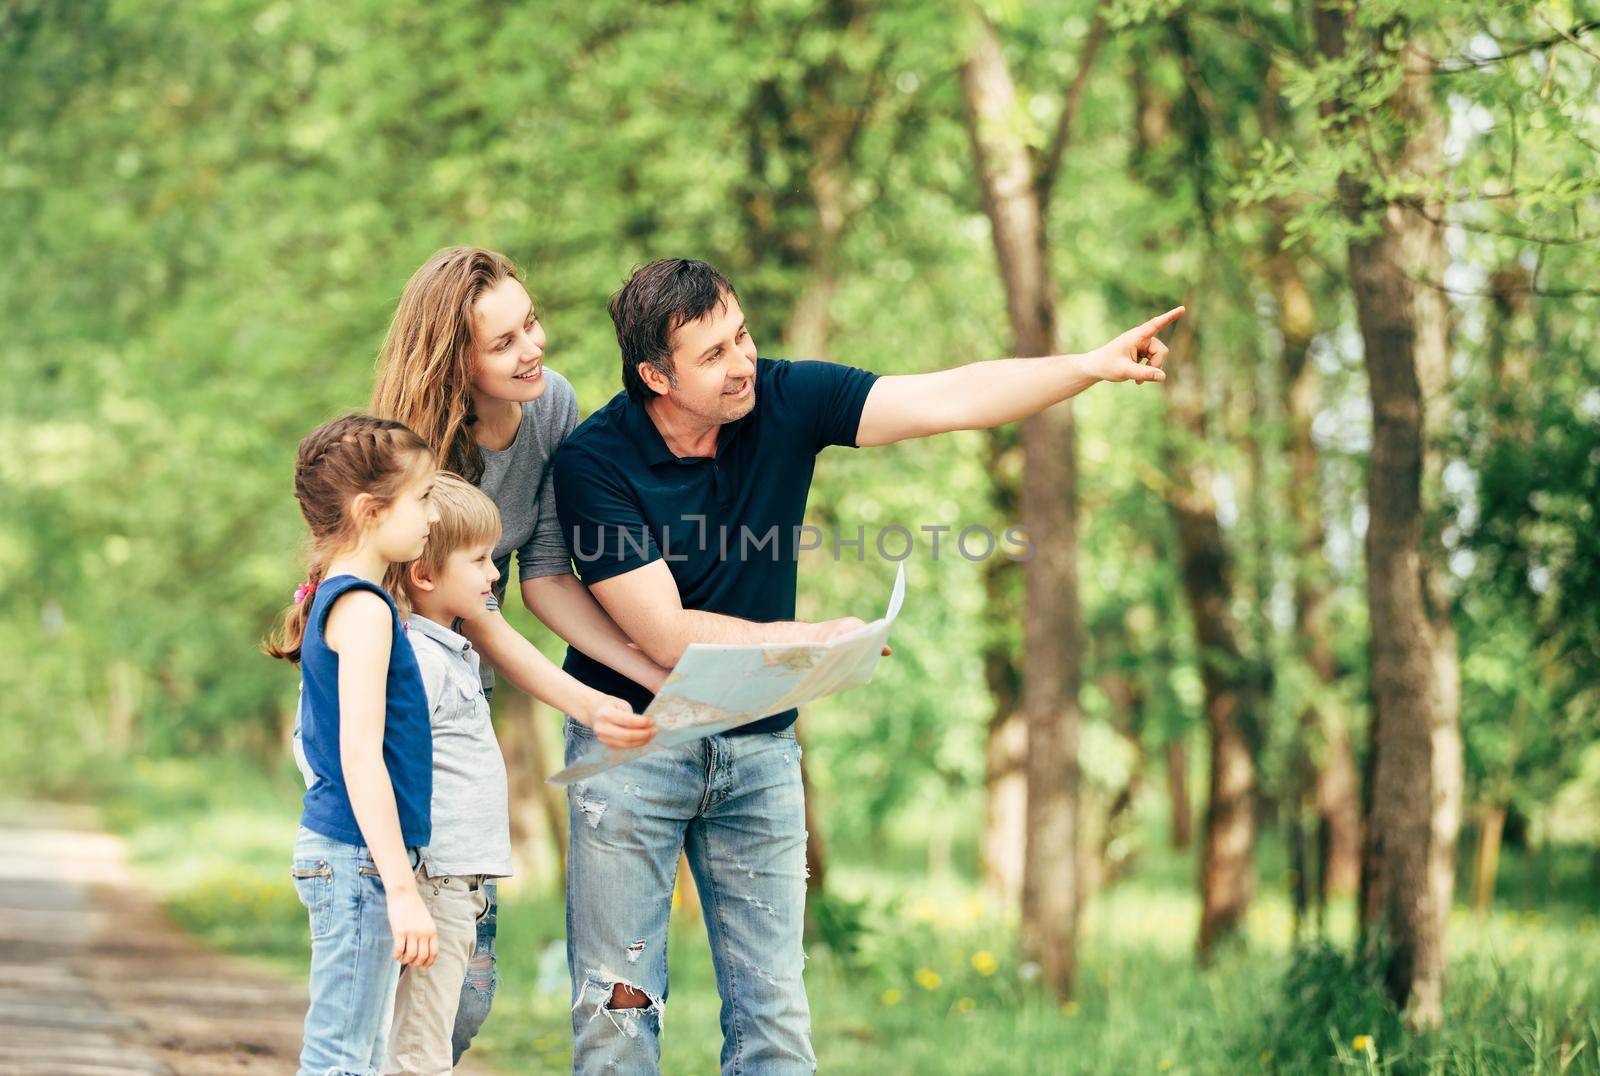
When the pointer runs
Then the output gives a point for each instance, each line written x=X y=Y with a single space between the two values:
x=450 y=640
x=653 y=447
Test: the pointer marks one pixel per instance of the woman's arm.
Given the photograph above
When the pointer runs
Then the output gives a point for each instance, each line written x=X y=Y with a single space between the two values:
x=566 y=607
x=515 y=658
x=358 y=631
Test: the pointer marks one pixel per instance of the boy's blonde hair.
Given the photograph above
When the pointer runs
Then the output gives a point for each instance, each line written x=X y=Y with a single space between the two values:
x=467 y=517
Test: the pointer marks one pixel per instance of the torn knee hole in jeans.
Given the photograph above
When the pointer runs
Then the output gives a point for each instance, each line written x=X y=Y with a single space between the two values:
x=591 y=808
x=480 y=972
x=625 y=1004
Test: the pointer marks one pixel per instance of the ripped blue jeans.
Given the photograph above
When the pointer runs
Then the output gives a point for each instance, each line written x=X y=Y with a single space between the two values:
x=734 y=805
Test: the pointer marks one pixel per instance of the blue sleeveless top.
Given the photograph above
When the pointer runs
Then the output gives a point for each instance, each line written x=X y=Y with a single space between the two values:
x=407 y=736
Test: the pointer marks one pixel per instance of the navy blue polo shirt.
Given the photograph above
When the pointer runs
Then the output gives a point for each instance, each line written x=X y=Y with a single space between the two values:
x=727 y=526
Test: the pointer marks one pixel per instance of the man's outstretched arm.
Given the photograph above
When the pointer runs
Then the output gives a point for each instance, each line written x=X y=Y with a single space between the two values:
x=985 y=394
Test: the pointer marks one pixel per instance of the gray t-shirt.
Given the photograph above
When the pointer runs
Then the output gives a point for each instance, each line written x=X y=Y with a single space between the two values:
x=471 y=815
x=517 y=479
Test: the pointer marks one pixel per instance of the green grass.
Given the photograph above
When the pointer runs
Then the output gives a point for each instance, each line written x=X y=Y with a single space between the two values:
x=935 y=987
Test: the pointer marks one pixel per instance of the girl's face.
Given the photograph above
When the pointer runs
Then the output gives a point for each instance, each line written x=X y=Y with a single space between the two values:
x=400 y=529
x=508 y=344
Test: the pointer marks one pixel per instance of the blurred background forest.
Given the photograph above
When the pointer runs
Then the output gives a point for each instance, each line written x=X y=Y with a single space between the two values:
x=1287 y=760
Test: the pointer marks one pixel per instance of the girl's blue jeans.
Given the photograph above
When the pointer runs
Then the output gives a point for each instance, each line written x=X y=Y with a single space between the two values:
x=353 y=970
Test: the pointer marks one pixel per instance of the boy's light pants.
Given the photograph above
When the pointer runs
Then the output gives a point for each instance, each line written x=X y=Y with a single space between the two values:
x=426 y=999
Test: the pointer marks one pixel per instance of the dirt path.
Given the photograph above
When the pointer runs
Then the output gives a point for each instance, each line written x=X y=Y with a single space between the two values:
x=95 y=979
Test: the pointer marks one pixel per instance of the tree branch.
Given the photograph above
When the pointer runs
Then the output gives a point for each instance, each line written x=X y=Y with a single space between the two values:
x=1071 y=105
x=1548 y=293
x=1569 y=36
x=1509 y=233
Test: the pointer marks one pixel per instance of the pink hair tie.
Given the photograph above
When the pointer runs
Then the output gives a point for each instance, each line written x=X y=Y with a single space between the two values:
x=304 y=591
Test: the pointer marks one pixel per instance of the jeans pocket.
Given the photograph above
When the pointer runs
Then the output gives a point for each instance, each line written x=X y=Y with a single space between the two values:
x=313 y=884
x=367 y=870
x=579 y=729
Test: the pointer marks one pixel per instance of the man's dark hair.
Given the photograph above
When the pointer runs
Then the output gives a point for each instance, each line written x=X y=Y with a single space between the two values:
x=650 y=307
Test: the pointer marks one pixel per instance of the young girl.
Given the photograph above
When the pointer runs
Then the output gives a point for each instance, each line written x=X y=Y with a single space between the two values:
x=463 y=365
x=363 y=485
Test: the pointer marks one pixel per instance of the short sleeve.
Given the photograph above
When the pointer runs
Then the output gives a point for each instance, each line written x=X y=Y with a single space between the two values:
x=600 y=516
x=545 y=552
x=827 y=397
x=435 y=676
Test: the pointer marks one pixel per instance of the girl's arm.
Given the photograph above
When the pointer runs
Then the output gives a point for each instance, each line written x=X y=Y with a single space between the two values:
x=515 y=658
x=358 y=630
x=566 y=607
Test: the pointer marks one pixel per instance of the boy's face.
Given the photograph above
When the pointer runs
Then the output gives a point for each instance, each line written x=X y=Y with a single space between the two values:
x=466 y=580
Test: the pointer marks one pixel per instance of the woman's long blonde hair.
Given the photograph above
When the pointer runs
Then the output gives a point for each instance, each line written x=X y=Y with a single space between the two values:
x=425 y=368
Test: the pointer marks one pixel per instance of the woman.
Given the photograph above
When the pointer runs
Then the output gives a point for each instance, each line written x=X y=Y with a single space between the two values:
x=463 y=366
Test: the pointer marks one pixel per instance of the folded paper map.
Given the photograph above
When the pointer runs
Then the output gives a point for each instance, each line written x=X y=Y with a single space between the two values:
x=716 y=687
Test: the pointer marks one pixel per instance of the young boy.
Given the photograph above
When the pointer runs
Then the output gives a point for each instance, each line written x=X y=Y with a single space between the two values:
x=471 y=843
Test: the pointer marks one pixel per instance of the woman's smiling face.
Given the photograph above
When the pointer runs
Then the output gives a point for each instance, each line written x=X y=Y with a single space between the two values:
x=508 y=344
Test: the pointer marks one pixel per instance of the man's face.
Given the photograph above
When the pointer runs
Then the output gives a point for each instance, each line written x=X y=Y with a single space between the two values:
x=714 y=361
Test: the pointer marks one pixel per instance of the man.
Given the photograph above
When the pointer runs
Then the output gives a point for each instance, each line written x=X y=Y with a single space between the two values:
x=682 y=499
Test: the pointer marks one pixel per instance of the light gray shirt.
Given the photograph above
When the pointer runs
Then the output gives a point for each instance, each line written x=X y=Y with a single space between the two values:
x=517 y=479
x=471 y=815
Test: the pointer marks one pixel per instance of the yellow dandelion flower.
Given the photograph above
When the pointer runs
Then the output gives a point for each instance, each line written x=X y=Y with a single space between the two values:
x=984 y=963
x=927 y=978
x=1363 y=1043
x=1266 y=1055
x=892 y=996
x=965 y=1005
x=1071 y=1008
x=1165 y=1065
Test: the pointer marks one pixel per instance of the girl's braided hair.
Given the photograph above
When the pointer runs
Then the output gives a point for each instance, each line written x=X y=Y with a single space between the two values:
x=337 y=461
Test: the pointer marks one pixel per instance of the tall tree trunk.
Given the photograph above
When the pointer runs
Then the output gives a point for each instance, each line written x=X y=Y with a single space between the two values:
x=1335 y=792
x=816 y=855
x=1339 y=812
x=534 y=804
x=807 y=336
x=1015 y=189
x=818 y=135
x=1233 y=694
x=1428 y=259
x=1006 y=746
x=1233 y=688
x=1486 y=863
x=1178 y=791
x=1409 y=855
x=1400 y=908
